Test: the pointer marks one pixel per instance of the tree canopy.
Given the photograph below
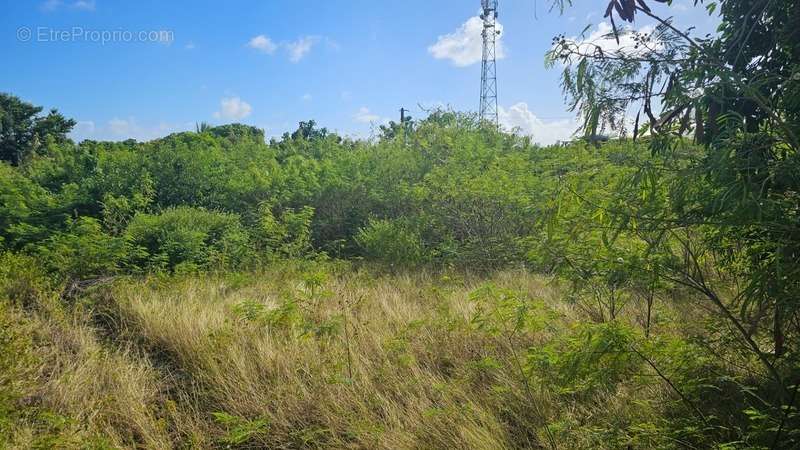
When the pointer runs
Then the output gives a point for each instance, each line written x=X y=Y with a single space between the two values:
x=24 y=132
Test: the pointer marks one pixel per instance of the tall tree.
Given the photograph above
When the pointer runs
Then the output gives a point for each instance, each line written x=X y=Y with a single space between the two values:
x=23 y=132
x=734 y=205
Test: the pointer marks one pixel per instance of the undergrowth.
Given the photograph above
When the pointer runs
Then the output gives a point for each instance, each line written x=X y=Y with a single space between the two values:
x=313 y=355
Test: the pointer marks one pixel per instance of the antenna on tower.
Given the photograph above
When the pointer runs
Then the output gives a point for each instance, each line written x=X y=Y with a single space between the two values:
x=488 y=108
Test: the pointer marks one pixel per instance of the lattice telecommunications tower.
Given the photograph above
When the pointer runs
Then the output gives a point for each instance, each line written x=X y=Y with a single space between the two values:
x=488 y=109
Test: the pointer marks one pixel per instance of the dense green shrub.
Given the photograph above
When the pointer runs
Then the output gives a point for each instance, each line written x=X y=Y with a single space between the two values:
x=83 y=250
x=392 y=242
x=22 y=279
x=188 y=239
x=594 y=356
x=24 y=208
x=448 y=193
x=481 y=204
x=288 y=235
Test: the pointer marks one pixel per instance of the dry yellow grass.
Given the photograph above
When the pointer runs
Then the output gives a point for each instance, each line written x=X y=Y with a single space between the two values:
x=292 y=359
x=404 y=391
x=81 y=392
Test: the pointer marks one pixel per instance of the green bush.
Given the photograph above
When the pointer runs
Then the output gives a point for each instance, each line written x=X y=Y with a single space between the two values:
x=83 y=250
x=594 y=357
x=23 y=206
x=22 y=280
x=187 y=239
x=480 y=206
x=391 y=242
x=287 y=235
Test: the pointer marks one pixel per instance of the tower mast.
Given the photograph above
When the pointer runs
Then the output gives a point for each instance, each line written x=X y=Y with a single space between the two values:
x=488 y=107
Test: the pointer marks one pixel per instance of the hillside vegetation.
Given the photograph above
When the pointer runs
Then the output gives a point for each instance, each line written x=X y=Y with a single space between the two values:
x=444 y=285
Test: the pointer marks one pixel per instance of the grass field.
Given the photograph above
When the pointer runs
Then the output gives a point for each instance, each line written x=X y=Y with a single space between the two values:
x=312 y=356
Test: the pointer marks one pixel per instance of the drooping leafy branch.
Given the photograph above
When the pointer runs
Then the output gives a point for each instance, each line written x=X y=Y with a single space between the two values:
x=732 y=206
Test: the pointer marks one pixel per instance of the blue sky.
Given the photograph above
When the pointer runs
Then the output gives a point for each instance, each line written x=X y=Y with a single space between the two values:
x=348 y=64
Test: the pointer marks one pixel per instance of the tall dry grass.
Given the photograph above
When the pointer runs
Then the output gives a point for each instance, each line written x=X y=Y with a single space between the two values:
x=308 y=359
x=395 y=374
x=73 y=391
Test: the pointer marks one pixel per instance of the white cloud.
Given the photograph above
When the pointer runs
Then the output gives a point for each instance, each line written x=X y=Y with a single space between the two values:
x=86 y=5
x=118 y=129
x=122 y=127
x=520 y=117
x=681 y=6
x=84 y=127
x=306 y=97
x=465 y=45
x=54 y=5
x=233 y=108
x=263 y=44
x=296 y=50
x=333 y=45
x=365 y=116
x=603 y=38
x=50 y=5
x=300 y=48
x=189 y=46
